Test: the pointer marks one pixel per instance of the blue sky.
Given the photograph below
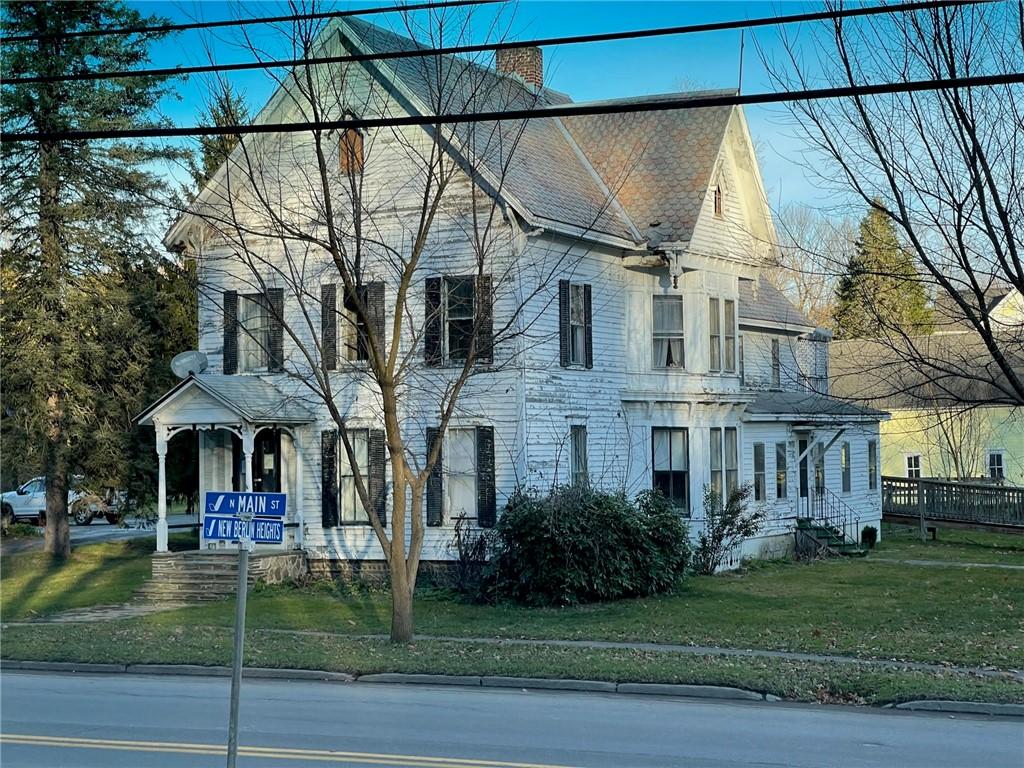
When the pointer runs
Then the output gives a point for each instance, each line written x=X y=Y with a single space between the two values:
x=586 y=72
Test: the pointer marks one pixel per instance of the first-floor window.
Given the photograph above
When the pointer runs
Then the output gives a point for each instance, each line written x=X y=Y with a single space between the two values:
x=996 y=470
x=872 y=465
x=671 y=460
x=724 y=460
x=781 y=471
x=759 y=489
x=914 y=465
x=578 y=454
x=350 y=505
x=844 y=462
x=461 y=473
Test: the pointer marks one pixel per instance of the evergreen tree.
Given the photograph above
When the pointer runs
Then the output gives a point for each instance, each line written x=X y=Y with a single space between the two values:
x=78 y=212
x=227 y=108
x=881 y=292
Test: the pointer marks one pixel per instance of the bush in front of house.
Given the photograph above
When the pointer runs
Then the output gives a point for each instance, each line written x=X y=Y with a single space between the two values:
x=726 y=525
x=869 y=536
x=577 y=545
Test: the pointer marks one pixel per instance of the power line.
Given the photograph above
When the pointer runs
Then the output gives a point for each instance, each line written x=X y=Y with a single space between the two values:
x=561 y=110
x=162 y=28
x=716 y=26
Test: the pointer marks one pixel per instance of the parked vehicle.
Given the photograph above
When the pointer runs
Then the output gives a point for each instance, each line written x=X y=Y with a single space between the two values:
x=28 y=504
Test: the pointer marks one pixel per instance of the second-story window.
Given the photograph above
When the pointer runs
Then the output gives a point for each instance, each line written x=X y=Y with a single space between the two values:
x=458 y=315
x=253 y=332
x=460 y=308
x=722 y=335
x=669 y=349
x=914 y=465
x=355 y=331
x=776 y=365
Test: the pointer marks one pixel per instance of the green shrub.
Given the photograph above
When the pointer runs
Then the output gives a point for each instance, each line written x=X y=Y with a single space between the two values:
x=577 y=545
x=725 y=527
x=869 y=536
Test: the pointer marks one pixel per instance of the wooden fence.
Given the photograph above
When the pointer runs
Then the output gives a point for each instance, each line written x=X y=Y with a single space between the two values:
x=942 y=501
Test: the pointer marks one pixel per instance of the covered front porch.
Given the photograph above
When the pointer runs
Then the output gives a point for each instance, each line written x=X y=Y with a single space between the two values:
x=251 y=437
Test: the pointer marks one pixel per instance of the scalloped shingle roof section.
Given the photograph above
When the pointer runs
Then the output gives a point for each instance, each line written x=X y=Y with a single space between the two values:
x=659 y=164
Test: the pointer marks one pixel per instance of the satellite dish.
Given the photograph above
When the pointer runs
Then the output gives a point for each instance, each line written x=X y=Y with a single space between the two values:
x=188 y=363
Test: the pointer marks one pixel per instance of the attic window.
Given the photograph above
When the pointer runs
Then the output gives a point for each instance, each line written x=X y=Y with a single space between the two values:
x=718 y=200
x=350 y=155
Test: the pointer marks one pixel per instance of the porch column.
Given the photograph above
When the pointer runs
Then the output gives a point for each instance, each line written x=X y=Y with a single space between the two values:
x=161 y=493
x=299 y=518
x=248 y=448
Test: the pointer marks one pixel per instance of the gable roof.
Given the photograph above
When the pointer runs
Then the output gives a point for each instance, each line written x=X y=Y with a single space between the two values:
x=253 y=399
x=761 y=302
x=658 y=164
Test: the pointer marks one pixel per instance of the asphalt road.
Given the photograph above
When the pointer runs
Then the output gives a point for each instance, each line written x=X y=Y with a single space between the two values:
x=119 y=721
x=98 y=530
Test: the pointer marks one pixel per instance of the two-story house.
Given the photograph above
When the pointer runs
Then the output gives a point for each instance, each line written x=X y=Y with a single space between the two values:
x=650 y=353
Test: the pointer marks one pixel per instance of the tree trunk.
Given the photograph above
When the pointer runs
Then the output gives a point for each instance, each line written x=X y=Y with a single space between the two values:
x=58 y=532
x=401 y=606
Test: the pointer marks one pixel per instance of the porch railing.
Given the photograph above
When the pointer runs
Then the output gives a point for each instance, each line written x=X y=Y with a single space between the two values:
x=940 y=501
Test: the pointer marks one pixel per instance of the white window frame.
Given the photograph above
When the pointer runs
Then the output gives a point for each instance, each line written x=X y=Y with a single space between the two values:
x=781 y=471
x=350 y=507
x=1001 y=454
x=872 y=465
x=760 y=474
x=578 y=472
x=577 y=324
x=253 y=333
x=448 y=289
x=455 y=475
x=846 y=470
x=714 y=335
x=724 y=459
x=673 y=465
x=916 y=457
x=776 y=364
x=668 y=335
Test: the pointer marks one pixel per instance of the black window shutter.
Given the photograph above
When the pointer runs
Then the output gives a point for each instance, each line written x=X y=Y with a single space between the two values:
x=329 y=477
x=432 y=322
x=375 y=484
x=435 y=483
x=563 y=323
x=329 y=325
x=589 y=320
x=230 y=332
x=275 y=356
x=374 y=303
x=485 y=317
x=486 y=512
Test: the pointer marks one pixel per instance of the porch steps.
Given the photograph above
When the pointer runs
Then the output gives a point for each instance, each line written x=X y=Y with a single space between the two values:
x=200 y=576
x=831 y=538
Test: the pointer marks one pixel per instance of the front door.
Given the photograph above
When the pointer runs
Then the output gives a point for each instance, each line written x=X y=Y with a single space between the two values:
x=266 y=463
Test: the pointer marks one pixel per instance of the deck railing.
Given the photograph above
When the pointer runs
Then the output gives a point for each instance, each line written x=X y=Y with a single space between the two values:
x=940 y=500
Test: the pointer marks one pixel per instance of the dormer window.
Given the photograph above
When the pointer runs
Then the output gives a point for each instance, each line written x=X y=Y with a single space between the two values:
x=718 y=200
x=350 y=154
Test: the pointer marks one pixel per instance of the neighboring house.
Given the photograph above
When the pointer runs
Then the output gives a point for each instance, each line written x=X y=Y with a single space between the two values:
x=931 y=433
x=657 y=356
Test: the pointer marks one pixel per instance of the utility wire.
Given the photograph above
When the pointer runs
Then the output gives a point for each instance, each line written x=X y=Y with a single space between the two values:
x=162 y=28
x=715 y=99
x=715 y=26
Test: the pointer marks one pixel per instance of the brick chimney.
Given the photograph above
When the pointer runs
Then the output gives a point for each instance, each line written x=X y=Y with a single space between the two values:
x=525 y=63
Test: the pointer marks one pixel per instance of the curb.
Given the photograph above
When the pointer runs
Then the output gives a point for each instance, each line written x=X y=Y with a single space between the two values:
x=964 y=707
x=722 y=693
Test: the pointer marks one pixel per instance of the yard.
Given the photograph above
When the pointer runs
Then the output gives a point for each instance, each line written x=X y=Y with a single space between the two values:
x=868 y=609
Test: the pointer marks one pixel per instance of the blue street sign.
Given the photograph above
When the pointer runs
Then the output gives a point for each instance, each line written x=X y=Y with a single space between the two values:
x=261 y=531
x=235 y=503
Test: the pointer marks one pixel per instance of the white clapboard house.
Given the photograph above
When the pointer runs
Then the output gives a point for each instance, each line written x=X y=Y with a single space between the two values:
x=657 y=355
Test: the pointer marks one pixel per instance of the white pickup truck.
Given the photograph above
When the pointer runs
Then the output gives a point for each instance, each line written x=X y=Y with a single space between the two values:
x=28 y=504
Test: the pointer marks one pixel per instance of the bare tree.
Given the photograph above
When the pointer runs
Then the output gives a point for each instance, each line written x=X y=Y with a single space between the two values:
x=355 y=231
x=944 y=165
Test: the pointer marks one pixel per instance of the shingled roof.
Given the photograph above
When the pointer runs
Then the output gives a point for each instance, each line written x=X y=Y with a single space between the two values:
x=612 y=174
x=762 y=302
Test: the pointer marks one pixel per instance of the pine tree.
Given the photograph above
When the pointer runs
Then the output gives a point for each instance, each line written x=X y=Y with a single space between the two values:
x=78 y=214
x=881 y=292
x=227 y=108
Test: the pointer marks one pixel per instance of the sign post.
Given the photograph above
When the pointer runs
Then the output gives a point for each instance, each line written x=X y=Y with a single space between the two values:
x=246 y=518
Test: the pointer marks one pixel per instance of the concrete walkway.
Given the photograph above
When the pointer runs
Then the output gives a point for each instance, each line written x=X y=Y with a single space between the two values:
x=946 y=563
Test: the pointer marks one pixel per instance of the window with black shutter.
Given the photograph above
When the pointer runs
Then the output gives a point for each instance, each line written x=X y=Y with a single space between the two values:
x=458 y=309
x=462 y=482
x=575 y=324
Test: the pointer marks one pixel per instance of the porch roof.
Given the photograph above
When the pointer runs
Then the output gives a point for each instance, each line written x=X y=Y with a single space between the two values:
x=252 y=399
x=808 y=407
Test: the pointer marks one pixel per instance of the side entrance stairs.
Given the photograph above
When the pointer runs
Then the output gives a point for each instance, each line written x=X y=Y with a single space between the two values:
x=829 y=539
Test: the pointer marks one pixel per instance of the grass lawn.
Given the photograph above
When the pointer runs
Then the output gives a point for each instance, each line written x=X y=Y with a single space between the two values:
x=140 y=641
x=851 y=607
x=902 y=542
x=32 y=584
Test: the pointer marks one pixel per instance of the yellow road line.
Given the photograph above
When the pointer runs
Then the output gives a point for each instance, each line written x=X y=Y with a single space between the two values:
x=280 y=753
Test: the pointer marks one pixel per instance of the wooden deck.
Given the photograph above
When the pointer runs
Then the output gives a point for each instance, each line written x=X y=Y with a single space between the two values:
x=954 y=505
